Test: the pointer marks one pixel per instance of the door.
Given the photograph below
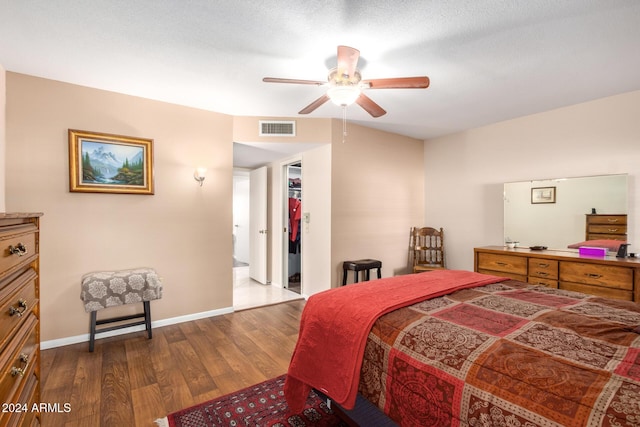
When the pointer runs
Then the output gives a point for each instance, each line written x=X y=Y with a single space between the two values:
x=258 y=225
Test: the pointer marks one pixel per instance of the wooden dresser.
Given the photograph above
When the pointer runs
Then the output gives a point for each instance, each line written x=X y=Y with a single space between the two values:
x=608 y=276
x=19 y=322
x=608 y=227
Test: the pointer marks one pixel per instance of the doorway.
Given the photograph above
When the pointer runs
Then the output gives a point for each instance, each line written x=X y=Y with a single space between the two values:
x=293 y=218
x=247 y=292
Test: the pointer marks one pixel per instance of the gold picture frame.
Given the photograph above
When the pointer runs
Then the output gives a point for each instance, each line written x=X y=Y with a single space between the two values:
x=543 y=195
x=107 y=163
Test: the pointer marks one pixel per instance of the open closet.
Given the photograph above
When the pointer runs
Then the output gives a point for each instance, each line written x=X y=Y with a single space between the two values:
x=294 y=217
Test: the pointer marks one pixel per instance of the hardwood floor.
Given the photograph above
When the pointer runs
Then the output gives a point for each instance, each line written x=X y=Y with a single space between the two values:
x=131 y=381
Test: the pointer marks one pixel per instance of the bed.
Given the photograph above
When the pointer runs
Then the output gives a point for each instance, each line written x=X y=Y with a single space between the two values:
x=449 y=348
x=608 y=244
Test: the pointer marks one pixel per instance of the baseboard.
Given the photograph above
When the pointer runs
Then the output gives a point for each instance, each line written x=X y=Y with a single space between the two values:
x=44 y=345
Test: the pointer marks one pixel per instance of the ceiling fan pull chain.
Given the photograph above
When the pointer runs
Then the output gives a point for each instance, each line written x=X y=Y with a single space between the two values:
x=344 y=123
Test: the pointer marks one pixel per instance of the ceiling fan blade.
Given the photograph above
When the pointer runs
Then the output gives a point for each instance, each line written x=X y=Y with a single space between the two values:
x=370 y=106
x=315 y=104
x=347 y=60
x=294 y=81
x=399 y=83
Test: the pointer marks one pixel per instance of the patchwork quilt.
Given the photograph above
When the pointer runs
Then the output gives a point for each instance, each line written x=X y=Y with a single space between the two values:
x=335 y=324
x=506 y=354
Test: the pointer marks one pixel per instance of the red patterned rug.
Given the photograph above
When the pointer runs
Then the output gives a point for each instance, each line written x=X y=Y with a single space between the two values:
x=259 y=405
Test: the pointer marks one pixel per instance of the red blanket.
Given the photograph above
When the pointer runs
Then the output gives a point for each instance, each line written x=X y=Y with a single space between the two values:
x=335 y=324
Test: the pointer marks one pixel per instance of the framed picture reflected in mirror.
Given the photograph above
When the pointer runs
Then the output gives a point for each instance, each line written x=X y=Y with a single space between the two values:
x=543 y=195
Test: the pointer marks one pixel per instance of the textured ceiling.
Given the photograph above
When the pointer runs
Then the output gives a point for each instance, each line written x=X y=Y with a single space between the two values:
x=488 y=60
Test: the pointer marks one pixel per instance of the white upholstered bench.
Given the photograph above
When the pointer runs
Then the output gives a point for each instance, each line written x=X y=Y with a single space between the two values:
x=105 y=289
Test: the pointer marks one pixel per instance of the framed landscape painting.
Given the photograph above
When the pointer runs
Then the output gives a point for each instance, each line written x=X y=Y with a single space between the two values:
x=105 y=163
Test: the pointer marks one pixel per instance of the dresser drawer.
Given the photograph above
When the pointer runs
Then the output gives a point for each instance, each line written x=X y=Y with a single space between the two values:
x=543 y=268
x=503 y=263
x=607 y=229
x=18 y=359
x=607 y=219
x=17 y=300
x=621 y=237
x=27 y=413
x=549 y=283
x=600 y=291
x=17 y=247
x=513 y=276
x=606 y=276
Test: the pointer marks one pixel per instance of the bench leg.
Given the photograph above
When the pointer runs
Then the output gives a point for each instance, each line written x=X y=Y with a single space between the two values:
x=147 y=317
x=366 y=275
x=344 y=276
x=92 y=331
x=93 y=322
x=379 y=274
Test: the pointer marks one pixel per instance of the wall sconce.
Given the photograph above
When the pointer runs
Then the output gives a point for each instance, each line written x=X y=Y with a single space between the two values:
x=200 y=174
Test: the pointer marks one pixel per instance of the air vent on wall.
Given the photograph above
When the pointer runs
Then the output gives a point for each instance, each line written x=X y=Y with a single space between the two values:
x=277 y=128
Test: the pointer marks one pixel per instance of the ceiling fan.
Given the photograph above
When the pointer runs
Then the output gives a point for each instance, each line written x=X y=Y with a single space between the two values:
x=346 y=85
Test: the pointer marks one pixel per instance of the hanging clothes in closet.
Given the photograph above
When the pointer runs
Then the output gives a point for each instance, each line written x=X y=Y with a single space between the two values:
x=295 y=216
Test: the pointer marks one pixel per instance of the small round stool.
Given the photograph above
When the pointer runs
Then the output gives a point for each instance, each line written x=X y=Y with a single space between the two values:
x=358 y=266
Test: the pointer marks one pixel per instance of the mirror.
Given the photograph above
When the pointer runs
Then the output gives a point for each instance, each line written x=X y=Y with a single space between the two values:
x=552 y=212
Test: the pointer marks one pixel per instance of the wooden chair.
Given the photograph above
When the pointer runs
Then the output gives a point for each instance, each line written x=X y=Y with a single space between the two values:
x=426 y=249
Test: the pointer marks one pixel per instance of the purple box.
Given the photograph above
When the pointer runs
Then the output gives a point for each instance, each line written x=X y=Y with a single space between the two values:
x=591 y=251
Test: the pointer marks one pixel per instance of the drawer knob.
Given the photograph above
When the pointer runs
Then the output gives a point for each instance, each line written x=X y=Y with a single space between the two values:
x=613 y=230
x=18 y=249
x=24 y=358
x=543 y=265
x=542 y=273
x=502 y=264
x=612 y=220
x=21 y=308
x=593 y=275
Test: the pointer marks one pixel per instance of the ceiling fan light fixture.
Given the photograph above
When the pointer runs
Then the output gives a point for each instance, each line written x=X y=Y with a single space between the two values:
x=344 y=95
x=345 y=85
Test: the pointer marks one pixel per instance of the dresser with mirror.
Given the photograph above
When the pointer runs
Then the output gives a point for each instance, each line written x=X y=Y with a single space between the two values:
x=559 y=215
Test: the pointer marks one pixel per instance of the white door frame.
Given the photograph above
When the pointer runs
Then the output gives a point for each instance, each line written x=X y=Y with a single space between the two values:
x=258 y=225
x=241 y=208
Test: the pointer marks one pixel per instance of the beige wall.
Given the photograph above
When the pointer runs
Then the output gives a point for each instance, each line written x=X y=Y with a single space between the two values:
x=184 y=230
x=377 y=195
x=465 y=172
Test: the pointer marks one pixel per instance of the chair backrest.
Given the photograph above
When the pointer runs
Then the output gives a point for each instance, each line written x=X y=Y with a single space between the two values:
x=427 y=246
